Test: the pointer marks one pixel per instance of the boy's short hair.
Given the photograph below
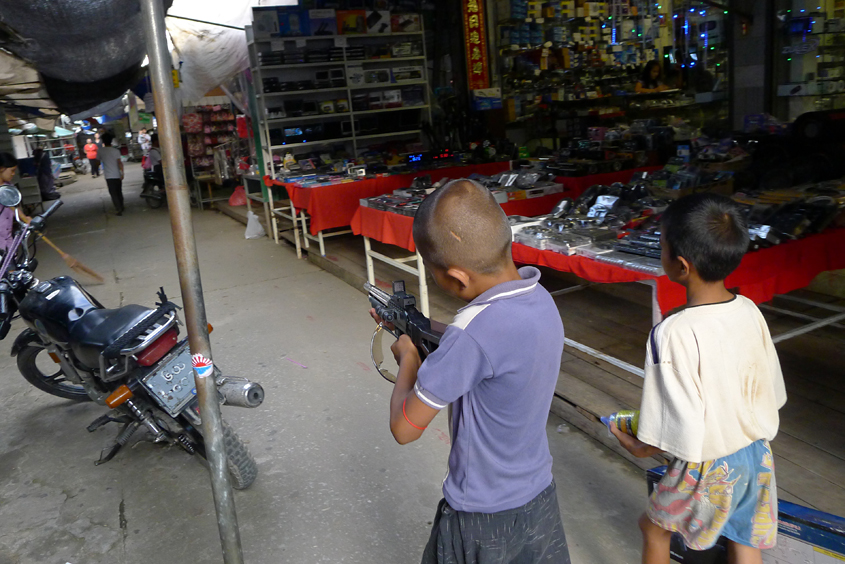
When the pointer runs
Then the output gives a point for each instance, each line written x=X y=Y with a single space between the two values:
x=462 y=225
x=107 y=139
x=709 y=231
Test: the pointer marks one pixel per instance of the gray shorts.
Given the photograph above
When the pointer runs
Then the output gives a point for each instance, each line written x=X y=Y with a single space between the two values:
x=529 y=534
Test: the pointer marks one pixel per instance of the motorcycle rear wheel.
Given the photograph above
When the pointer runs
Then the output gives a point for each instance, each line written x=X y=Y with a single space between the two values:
x=55 y=384
x=242 y=467
x=153 y=194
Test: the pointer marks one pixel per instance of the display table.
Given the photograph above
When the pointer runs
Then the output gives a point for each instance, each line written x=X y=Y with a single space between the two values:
x=578 y=184
x=333 y=205
x=760 y=277
x=394 y=229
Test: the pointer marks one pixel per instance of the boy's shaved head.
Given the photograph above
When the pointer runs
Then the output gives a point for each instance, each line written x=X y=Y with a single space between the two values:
x=461 y=225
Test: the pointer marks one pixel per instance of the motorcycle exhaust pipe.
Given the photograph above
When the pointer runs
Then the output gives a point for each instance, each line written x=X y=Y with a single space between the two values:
x=240 y=392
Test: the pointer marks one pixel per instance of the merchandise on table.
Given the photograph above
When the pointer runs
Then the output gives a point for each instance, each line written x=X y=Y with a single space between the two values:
x=505 y=187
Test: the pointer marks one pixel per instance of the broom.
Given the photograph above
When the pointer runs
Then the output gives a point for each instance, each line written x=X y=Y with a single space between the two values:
x=74 y=264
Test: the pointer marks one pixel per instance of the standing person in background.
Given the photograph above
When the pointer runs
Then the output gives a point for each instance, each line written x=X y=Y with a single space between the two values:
x=92 y=152
x=113 y=171
x=650 y=80
x=8 y=169
x=144 y=141
x=44 y=174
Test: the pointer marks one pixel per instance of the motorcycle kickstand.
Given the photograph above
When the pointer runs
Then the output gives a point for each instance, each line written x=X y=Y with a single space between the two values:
x=105 y=420
x=109 y=452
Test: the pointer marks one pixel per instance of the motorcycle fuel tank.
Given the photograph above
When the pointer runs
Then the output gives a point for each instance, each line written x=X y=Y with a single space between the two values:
x=57 y=303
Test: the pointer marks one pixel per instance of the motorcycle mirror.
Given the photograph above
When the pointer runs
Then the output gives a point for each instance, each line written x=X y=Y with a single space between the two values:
x=9 y=196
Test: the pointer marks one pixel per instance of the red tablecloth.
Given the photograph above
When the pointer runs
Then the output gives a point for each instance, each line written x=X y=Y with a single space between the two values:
x=395 y=229
x=761 y=275
x=578 y=184
x=334 y=205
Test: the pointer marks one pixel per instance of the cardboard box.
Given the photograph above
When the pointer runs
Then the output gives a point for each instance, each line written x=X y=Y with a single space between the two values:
x=265 y=23
x=392 y=98
x=355 y=75
x=487 y=99
x=323 y=22
x=378 y=22
x=405 y=22
x=294 y=24
x=351 y=22
x=407 y=74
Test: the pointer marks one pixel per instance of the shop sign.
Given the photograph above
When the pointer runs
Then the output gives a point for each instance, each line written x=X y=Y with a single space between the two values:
x=475 y=42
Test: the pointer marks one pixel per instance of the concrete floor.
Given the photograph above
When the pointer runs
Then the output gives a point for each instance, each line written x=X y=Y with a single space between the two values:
x=333 y=486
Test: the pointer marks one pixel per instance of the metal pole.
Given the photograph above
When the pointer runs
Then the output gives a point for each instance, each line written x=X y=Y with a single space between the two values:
x=179 y=202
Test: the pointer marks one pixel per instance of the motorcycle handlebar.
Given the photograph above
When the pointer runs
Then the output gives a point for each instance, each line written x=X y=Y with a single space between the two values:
x=52 y=209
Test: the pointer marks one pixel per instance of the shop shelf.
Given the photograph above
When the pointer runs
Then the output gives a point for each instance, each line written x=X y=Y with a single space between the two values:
x=390 y=110
x=333 y=37
x=300 y=92
x=389 y=60
x=388 y=85
x=298 y=65
x=390 y=134
x=311 y=143
x=309 y=118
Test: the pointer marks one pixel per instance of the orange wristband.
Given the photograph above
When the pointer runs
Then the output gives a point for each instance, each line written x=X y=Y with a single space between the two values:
x=408 y=420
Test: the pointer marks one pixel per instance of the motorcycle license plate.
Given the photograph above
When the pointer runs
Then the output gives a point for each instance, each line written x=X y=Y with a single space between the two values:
x=172 y=385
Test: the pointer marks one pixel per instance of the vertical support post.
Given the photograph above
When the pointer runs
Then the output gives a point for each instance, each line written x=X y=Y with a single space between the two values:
x=187 y=262
x=423 y=285
x=371 y=275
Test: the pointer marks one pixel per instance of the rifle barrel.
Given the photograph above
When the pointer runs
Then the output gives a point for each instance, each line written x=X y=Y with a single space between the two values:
x=377 y=293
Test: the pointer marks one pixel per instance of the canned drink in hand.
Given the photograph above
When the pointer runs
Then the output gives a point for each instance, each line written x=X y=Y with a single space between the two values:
x=627 y=421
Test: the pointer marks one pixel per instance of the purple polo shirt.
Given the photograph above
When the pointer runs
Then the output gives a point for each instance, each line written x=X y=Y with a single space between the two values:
x=498 y=364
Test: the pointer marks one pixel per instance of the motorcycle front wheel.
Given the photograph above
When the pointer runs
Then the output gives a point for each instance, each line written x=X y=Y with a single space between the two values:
x=41 y=371
x=242 y=467
x=153 y=194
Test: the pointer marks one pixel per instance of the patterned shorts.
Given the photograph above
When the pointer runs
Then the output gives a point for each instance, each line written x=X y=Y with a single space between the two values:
x=734 y=496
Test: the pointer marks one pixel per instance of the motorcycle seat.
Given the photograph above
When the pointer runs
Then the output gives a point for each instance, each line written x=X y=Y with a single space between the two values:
x=99 y=328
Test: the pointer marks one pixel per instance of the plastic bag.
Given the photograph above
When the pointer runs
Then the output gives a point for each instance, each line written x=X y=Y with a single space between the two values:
x=254 y=229
x=145 y=163
x=238 y=197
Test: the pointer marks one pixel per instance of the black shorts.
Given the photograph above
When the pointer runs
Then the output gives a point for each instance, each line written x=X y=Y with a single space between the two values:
x=529 y=534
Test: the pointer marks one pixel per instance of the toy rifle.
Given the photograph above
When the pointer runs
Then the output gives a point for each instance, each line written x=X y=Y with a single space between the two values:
x=400 y=316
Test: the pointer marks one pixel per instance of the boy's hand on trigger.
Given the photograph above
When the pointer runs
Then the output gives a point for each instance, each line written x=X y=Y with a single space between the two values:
x=378 y=319
x=404 y=347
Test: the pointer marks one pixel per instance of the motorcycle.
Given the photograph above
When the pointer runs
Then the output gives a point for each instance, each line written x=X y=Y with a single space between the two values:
x=129 y=359
x=153 y=191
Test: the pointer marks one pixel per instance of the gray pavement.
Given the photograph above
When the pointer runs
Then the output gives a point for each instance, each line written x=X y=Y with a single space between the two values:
x=333 y=486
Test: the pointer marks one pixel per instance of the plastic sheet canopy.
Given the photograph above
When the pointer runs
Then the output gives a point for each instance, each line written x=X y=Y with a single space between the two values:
x=88 y=52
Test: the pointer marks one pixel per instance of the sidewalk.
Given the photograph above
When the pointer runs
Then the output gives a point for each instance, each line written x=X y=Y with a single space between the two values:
x=333 y=486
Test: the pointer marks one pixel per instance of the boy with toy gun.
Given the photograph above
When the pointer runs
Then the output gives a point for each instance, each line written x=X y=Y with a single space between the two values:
x=400 y=316
x=496 y=365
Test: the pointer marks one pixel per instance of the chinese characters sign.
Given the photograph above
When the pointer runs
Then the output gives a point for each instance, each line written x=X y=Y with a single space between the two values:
x=475 y=41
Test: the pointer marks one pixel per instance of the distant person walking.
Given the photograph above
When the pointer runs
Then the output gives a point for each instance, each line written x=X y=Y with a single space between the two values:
x=92 y=152
x=113 y=171
x=44 y=174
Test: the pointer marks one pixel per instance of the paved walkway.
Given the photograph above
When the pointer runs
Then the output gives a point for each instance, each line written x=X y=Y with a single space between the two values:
x=333 y=485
